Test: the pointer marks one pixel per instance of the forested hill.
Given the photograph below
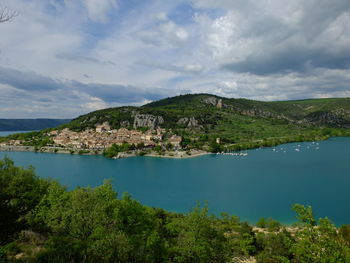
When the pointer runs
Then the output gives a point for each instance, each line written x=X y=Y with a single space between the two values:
x=211 y=123
x=29 y=124
x=232 y=120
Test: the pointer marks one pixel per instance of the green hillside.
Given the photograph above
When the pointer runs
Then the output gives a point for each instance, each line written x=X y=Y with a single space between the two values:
x=204 y=119
x=234 y=121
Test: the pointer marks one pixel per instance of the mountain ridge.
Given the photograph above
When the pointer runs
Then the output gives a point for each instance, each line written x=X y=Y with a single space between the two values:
x=21 y=124
x=213 y=123
x=185 y=105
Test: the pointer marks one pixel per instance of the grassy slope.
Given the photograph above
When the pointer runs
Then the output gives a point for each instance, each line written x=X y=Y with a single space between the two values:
x=224 y=121
x=232 y=125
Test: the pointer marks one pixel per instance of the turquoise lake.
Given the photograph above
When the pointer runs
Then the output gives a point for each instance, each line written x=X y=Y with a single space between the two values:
x=265 y=183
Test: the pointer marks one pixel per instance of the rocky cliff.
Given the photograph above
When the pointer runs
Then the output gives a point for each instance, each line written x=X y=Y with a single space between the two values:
x=190 y=122
x=147 y=120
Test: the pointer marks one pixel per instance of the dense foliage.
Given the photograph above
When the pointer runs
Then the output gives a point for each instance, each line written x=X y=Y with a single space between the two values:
x=115 y=149
x=37 y=139
x=41 y=221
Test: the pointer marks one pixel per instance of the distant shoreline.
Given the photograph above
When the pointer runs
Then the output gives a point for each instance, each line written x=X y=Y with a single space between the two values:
x=180 y=155
x=58 y=150
x=121 y=155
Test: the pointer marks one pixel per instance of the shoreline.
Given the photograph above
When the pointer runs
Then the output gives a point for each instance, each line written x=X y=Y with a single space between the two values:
x=121 y=155
x=179 y=155
x=167 y=154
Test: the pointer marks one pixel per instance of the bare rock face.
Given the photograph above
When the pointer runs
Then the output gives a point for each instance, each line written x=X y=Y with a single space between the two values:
x=333 y=119
x=214 y=102
x=257 y=113
x=147 y=120
x=125 y=124
x=211 y=100
x=188 y=122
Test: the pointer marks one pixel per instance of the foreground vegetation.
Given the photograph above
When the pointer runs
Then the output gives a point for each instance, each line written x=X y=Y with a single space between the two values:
x=41 y=221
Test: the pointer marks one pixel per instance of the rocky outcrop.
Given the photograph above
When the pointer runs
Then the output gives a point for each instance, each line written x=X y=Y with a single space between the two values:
x=190 y=122
x=257 y=113
x=125 y=124
x=210 y=100
x=214 y=102
x=328 y=118
x=263 y=114
x=147 y=120
x=252 y=112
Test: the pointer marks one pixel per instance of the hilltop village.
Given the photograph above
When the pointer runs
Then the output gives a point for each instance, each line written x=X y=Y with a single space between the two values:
x=206 y=123
x=153 y=142
x=103 y=137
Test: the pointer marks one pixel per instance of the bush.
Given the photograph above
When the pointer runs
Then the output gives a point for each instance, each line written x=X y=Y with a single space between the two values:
x=93 y=225
x=21 y=191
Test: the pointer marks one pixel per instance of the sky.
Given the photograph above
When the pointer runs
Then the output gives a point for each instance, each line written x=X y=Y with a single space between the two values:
x=64 y=58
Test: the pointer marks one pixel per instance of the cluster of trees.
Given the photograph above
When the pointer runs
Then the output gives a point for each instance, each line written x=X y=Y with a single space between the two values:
x=37 y=139
x=113 y=150
x=41 y=221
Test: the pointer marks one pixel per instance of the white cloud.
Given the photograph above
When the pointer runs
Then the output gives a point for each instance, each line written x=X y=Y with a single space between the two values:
x=267 y=49
x=98 y=10
x=189 y=68
x=95 y=104
x=268 y=37
x=162 y=16
x=166 y=33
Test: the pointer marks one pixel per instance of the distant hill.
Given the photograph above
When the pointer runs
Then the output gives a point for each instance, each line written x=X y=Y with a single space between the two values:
x=30 y=124
x=213 y=113
x=204 y=117
x=206 y=121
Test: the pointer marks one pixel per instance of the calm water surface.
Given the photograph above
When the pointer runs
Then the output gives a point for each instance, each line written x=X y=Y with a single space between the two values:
x=264 y=183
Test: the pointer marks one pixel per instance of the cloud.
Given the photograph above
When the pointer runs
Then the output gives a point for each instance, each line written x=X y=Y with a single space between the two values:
x=189 y=68
x=166 y=33
x=267 y=37
x=108 y=93
x=29 y=81
x=30 y=88
x=98 y=10
x=83 y=59
x=117 y=93
x=88 y=54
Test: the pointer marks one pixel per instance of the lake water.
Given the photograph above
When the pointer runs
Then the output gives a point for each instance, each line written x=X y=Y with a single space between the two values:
x=265 y=183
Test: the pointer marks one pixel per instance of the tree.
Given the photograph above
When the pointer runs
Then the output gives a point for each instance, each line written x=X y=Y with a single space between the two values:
x=276 y=247
x=7 y=15
x=262 y=222
x=318 y=243
x=344 y=231
x=305 y=214
x=20 y=191
x=195 y=237
x=215 y=147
